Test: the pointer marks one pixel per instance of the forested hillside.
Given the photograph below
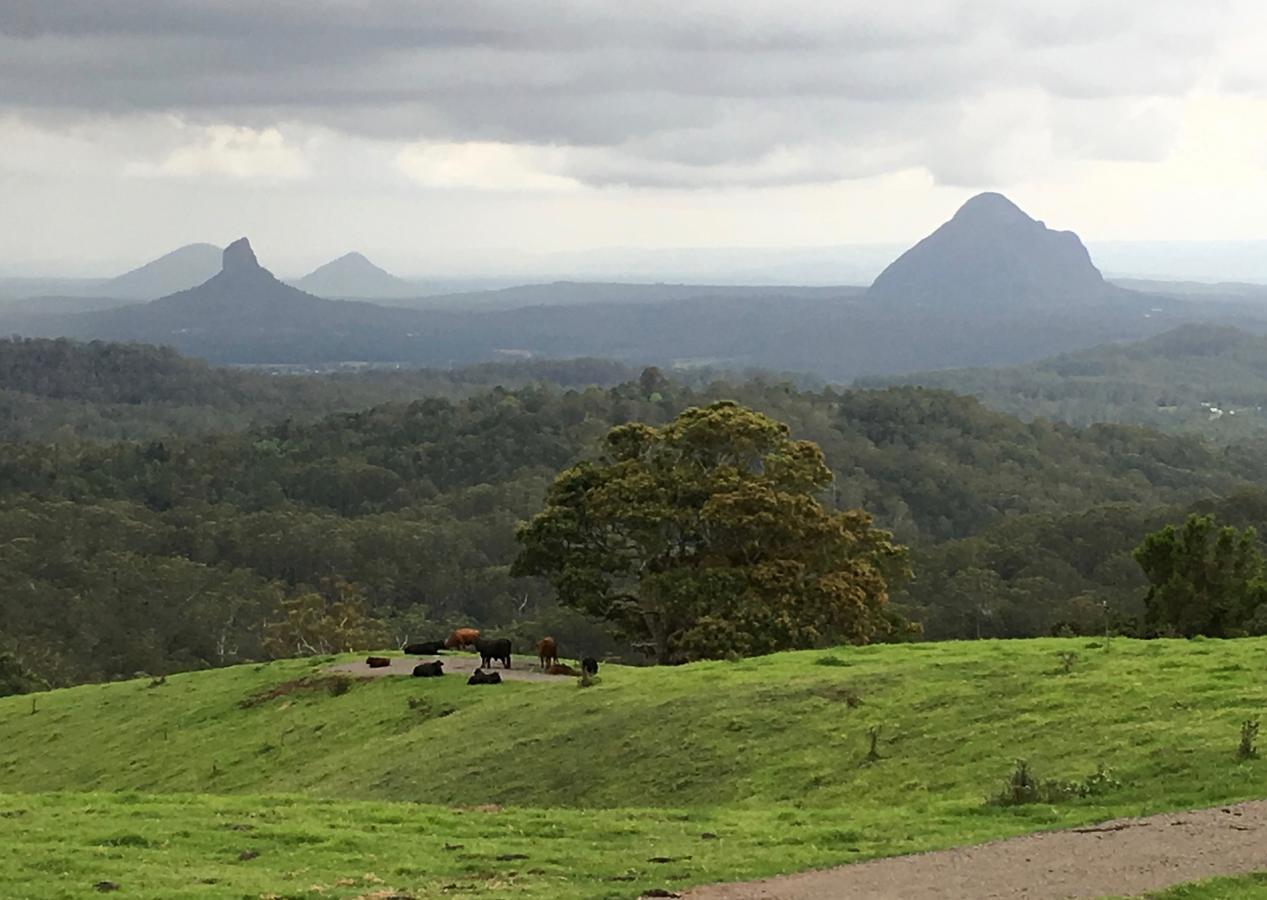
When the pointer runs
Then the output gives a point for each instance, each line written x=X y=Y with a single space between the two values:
x=162 y=554
x=1200 y=379
x=62 y=389
x=1048 y=573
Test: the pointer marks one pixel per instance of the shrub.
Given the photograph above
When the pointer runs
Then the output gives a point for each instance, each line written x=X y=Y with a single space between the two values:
x=15 y=678
x=1022 y=787
x=1249 y=734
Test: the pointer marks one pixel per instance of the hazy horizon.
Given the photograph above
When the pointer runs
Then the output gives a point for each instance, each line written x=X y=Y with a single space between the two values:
x=847 y=264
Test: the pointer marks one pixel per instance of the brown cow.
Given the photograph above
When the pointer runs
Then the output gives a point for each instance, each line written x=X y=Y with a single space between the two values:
x=462 y=638
x=561 y=669
x=377 y=662
x=547 y=652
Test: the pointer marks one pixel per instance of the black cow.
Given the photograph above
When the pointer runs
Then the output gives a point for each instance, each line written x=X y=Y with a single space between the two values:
x=589 y=665
x=377 y=662
x=479 y=676
x=429 y=669
x=425 y=648
x=491 y=649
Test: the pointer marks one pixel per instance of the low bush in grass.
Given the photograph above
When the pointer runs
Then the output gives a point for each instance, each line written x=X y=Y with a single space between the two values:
x=1022 y=787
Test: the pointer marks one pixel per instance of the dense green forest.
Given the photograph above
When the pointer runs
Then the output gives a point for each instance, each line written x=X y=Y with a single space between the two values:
x=159 y=554
x=60 y=389
x=1044 y=573
x=1197 y=379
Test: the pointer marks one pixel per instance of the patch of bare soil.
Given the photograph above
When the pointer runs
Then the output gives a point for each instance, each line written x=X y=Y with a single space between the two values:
x=455 y=663
x=1122 y=857
x=334 y=684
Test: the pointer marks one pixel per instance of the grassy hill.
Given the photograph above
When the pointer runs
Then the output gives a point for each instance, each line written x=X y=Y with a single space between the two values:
x=767 y=754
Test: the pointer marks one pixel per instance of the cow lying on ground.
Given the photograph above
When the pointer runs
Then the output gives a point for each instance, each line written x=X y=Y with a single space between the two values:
x=424 y=648
x=561 y=669
x=491 y=649
x=479 y=676
x=377 y=662
x=589 y=665
x=429 y=669
x=462 y=638
x=547 y=652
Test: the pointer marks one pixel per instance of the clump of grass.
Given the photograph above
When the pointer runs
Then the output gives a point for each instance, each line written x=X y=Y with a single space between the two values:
x=1022 y=787
x=1067 y=659
x=1249 y=736
x=424 y=708
x=873 y=738
x=832 y=661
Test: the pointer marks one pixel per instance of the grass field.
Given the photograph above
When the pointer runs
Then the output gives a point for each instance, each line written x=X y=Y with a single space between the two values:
x=1248 y=887
x=767 y=757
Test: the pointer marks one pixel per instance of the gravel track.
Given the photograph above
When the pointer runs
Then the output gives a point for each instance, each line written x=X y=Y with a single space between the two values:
x=1124 y=857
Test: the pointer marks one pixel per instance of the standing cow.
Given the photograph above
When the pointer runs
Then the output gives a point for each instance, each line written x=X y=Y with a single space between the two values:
x=491 y=649
x=462 y=638
x=547 y=652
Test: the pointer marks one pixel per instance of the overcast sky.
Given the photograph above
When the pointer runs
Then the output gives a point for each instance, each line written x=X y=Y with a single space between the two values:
x=463 y=135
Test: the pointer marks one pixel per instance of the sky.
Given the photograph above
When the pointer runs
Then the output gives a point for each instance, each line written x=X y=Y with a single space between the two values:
x=478 y=136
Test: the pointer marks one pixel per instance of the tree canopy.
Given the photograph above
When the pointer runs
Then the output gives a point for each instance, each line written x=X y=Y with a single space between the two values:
x=706 y=537
x=1204 y=579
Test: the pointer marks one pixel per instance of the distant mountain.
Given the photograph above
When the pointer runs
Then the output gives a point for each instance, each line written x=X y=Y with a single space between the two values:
x=353 y=276
x=183 y=268
x=992 y=256
x=245 y=315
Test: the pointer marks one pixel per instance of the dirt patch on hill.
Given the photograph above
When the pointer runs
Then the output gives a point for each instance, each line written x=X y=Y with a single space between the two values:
x=332 y=684
x=1124 y=857
x=455 y=663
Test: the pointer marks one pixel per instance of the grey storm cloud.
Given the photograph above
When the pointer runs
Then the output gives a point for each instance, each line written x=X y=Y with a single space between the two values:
x=676 y=93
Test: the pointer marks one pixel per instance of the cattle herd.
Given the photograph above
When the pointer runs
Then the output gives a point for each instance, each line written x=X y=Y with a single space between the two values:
x=490 y=650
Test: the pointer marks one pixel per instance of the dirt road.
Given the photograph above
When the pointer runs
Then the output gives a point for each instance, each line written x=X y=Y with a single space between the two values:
x=455 y=663
x=1120 y=858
